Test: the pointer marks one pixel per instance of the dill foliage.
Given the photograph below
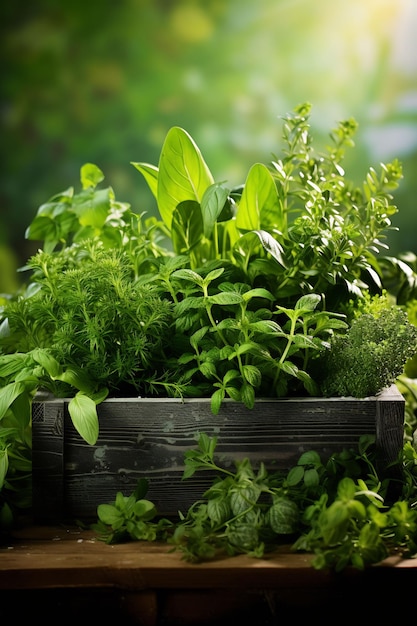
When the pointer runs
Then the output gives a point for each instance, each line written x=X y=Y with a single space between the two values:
x=87 y=309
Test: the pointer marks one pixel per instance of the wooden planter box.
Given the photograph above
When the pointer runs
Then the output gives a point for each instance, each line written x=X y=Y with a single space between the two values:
x=148 y=437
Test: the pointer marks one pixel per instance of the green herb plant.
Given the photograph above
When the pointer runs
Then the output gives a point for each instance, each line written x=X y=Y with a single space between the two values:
x=339 y=510
x=231 y=292
x=130 y=518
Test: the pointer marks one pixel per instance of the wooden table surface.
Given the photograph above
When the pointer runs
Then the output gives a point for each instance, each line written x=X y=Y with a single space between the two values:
x=152 y=580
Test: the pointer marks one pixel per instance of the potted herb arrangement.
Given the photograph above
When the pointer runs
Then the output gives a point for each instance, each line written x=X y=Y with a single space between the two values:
x=257 y=314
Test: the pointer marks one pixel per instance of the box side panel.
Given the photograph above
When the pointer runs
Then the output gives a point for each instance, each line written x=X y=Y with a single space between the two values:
x=149 y=440
x=390 y=416
x=48 y=490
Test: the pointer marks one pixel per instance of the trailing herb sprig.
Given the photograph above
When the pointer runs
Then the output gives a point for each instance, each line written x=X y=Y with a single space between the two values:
x=338 y=510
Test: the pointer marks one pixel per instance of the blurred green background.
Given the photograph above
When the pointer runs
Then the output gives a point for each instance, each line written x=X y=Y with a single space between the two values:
x=103 y=81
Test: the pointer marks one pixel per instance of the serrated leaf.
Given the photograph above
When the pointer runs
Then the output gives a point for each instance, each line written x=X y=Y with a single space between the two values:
x=218 y=510
x=268 y=327
x=289 y=368
x=187 y=274
x=216 y=401
x=252 y=375
x=208 y=369
x=247 y=396
x=225 y=298
x=197 y=337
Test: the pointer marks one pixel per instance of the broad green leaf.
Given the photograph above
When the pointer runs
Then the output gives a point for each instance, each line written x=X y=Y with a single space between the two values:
x=357 y=509
x=75 y=379
x=244 y=348
x=187 y=274
x=248 y=243
x=259 y=207
x=308 y=302
x=42 y=228
x=196 y=337
x=100 y=395
x=309 y=384
x=150 y=174
x=284 y=516
x=208 y=369
x=216 y=401
x=234 y=393
x=214 y=274
x=212 y=204
x=145 y=509
x=90 y=175
x=44 y=225
x=304 y=342
x=267 y=326
x=230 y=375
x=229 y=323
x=188 y=304
x=205 y=443
x=258 y=292
x=83 y=412
x=311 y=457
x=218 y=510
x=11 y=363
x=44 y=358
x=92 y=207
x=108 y=514
x=8 y=395
x=346 y=489
x=289 y=368
x=225 y=298
x=271 y=245
x=334 y=523
x=311 y=477
x=183 y=173
x=121 y=500
x=295 y=476
x=142 y=488
x=22 y=409
x=252 y=375
x=4 y=466
x=186 y=227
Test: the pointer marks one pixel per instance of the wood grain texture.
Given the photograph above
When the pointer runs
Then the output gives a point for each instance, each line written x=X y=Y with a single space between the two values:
x=64 y=575
x=47 y=556
x=148 y=438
